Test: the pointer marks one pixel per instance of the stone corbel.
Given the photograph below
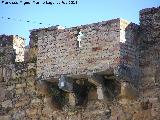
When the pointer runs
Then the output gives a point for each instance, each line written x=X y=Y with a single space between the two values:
x=128 y=92
x=97 y=80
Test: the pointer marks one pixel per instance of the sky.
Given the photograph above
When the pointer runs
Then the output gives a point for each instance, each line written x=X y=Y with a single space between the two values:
x=18 y=19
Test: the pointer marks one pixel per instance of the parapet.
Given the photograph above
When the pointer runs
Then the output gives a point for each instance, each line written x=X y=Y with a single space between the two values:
x=150 y=23
x=13 y=47
x=85 y=49
x=146 y=11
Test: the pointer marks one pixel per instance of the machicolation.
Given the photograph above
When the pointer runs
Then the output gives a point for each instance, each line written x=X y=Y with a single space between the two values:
x=107 y=70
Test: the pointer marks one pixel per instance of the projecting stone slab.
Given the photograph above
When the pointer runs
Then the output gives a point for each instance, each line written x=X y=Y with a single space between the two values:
x=128 y=92
x=100 y=93
x=96 y=79
x=72 y=99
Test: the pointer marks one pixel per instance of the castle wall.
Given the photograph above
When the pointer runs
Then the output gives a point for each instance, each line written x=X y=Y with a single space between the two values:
x=149 y=23
x=7 y=53
x=20 y=98
x=58 y=51
x=18 y=95
x=104 y=45
x=12 y=48
x=149 y=49
x=33 y=47
x=11 y=51
x=18 y=45
x=129 y=51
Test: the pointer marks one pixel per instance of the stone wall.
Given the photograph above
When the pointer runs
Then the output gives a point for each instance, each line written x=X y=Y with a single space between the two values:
x=7 y=53
x=129 y=51
x=33 y=47
x=20 y=98
x=104 y=45
x=18 y=45
x=11 y=51
x=58 y=51
x=18 y=93
x=13 y=48
x=150 y=51
x=150 y=57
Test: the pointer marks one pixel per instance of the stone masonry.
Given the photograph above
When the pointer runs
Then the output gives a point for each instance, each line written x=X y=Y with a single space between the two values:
x=13 y=46
x=103 y=46
x=11 y=51
x=103 y=59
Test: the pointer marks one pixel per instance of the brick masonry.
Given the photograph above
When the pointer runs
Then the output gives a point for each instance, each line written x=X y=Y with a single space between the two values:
x=101 y=48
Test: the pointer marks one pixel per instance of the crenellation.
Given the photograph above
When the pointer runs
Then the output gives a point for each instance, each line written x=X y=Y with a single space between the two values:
x=105 y=70
x=13 y=47
x=69 y=49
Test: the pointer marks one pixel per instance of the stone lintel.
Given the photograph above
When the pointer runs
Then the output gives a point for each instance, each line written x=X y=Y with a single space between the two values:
x=96 y=79
x=100 y=92
x=109 y=71
x=51 y=79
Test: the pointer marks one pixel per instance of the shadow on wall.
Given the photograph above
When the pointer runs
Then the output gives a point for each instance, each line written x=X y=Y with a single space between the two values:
x=62 y=99
x=128 y=70
x=7 y=57
x=157 y=75
x=129 y=55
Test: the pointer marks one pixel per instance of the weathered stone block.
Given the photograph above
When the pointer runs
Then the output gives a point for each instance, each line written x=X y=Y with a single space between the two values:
x=20 y=85
x=19 y=115
x=2 y=93
x=128 y=92
x=100 y=92
x=23 y=101
x=7 y=103
x=72 y=99
x=6 y=117
x=31 y=111
x=19 y=91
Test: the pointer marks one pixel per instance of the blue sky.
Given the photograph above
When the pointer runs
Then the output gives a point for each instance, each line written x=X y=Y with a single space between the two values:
x=69 y=15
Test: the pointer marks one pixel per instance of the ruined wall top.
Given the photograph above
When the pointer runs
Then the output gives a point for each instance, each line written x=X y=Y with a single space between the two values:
x=72 y=28
x=150 y=25
x=152 y=10
x=12 y=48
x=85 y=49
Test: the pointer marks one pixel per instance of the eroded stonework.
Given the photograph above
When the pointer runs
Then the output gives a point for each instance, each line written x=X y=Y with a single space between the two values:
x=114 y=71
x=101 y=48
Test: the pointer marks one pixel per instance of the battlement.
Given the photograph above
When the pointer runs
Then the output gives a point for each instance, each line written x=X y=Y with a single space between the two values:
x=6 y=40
x=85 y=49
x=13 y=47
x=147 y=11
x=52 y=28
x=149 y=24
x=83 y=72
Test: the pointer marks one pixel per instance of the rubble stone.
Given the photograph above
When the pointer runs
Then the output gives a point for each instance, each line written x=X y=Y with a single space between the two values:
x=131 y=51
x=7 y=103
